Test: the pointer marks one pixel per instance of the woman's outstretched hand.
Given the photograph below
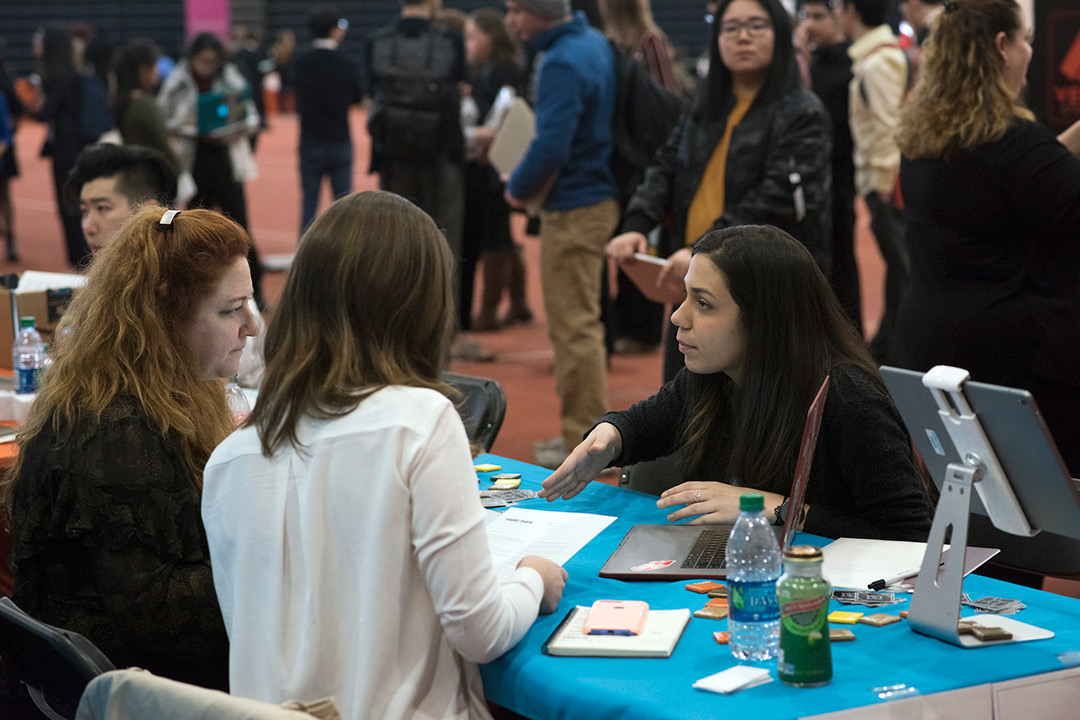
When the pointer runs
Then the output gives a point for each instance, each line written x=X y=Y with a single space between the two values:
x=584 y=464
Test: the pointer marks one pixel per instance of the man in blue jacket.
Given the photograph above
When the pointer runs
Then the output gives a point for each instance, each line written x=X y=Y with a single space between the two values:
x=569 y=160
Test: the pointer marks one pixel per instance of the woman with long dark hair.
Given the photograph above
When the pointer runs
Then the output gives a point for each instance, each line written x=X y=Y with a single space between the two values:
x=760 y=330
x=218 y=159
x=993 y=206
x=494 y=59
x=62 y=110
x=138 y=117
x=754 y=148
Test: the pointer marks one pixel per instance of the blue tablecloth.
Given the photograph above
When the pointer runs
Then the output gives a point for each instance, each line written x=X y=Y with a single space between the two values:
x=541 y=686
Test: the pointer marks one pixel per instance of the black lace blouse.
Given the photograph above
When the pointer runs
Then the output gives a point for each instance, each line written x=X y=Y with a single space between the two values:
x=109 y=543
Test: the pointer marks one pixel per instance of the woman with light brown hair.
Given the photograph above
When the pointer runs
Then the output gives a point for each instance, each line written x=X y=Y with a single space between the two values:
x=630 y=25
x=347 y=538
x=993 y=210
x=104 y=497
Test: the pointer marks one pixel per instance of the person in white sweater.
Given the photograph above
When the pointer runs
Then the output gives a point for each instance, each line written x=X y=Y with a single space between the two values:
x=346 y=537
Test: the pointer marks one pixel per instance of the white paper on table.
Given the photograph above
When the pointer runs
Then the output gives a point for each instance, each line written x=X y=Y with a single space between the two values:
x=34 y=281
x=856 y=562
x=557 y=536
x=734 y=679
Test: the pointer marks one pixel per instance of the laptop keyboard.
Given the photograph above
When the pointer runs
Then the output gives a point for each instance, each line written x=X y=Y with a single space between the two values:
x=709 y=550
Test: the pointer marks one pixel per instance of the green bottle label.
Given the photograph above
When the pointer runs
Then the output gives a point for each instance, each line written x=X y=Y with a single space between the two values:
x=805 y=657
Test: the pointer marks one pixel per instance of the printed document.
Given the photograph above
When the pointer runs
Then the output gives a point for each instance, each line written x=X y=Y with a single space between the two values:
x=557 y=536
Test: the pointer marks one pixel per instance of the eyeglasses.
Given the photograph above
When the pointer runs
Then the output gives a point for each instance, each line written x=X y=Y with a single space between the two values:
x=755 y=27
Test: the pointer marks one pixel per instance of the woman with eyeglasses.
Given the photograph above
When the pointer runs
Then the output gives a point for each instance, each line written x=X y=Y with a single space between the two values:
x=754 y=148
x=992 y=200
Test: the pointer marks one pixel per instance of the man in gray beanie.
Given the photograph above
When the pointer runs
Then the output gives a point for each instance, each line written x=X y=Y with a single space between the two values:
x=546 y=8
x=573 y=96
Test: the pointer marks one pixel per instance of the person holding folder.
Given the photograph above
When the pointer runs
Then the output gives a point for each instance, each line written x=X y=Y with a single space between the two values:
x=760 y=330
x=754 y=148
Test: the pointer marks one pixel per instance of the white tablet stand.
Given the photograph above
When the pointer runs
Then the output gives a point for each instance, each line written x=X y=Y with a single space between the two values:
x=935 y=606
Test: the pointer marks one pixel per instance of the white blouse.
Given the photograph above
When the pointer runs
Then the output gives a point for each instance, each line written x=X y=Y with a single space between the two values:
x=360 y=568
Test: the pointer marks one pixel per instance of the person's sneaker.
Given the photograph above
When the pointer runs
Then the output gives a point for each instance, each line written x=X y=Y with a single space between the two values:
x=468 y=351
x=632 y=346
x=550 y=453
x=484 y=322
x=277 y=263
x=520 y=315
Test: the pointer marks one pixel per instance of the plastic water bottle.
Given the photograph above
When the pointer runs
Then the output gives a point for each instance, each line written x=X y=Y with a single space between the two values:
x=237 y=400
x=27 y=356
x=753 y=561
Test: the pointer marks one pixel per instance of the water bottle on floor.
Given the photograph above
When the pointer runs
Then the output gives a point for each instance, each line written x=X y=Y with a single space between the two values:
x=27 y=356
x=753 y=562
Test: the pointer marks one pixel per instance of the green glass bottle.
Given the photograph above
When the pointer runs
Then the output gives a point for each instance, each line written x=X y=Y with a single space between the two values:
x=805 y=659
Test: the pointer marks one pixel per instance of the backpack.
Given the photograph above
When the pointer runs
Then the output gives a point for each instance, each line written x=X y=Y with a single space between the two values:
x=95 y=119
x=910 y=63
x=644 y=115
x=416 y=95
x=911 y=66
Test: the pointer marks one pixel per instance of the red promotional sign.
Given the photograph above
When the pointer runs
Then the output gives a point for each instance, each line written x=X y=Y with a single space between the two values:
x=1062 y=68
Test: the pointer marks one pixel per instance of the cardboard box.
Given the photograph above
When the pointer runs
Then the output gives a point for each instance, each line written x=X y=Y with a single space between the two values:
x=42 y=295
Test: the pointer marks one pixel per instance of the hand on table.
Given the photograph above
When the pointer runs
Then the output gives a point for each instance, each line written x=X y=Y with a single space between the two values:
x=714 y=503
x=584 y=464
x=554 y=578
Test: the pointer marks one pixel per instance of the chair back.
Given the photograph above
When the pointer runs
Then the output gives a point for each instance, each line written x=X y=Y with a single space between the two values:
x=139 y=695
x=482 y=407
x=54 y=664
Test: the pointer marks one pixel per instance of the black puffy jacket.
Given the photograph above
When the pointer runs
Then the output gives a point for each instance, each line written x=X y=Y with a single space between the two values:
x=777 y=147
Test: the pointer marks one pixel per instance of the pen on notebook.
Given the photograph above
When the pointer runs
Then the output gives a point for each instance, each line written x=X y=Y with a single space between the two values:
x=898 y=578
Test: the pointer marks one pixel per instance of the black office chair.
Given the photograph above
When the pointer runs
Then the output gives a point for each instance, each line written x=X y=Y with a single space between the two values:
x=482 y=407
x=653 y=476
x=53 y=663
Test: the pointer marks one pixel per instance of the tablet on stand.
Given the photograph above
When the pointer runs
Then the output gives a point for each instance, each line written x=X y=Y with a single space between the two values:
x=936 y=402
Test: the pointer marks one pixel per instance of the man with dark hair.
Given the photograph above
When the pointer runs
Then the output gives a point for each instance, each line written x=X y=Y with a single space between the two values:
x=108 y=181
x=879 y=80
x=326 y=86
x=822 y=39
x=566 y=169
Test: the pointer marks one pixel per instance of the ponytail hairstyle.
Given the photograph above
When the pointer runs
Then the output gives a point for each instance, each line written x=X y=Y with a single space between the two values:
x=961 y=99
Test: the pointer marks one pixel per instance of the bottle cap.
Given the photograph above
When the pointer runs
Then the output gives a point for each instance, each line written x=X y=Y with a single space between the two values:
x=751 y=502
x=27 y=321
x=803 y=553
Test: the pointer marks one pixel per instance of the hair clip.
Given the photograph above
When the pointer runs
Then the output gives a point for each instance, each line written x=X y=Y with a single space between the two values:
x=949 y=5
x=167 y=218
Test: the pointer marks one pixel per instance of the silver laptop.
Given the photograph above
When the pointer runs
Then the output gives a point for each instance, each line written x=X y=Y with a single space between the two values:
x=692 y=552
